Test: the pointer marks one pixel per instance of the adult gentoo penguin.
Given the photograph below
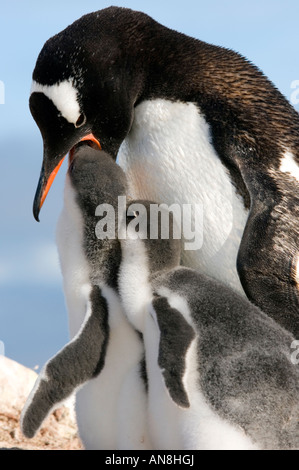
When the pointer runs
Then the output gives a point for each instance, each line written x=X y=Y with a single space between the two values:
x=219 y=370
x=106 y=351
x=190 y=123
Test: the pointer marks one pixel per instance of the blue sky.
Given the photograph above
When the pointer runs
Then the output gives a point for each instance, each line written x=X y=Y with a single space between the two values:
x=33 y=319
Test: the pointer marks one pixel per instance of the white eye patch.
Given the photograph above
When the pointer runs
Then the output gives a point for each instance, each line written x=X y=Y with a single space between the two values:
x=64 y=97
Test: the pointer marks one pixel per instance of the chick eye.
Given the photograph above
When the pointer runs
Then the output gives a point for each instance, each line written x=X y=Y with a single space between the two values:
x=132 y=215
x=81 y=120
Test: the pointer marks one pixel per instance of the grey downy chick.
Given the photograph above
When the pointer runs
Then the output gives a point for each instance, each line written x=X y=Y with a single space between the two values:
x=220 y=374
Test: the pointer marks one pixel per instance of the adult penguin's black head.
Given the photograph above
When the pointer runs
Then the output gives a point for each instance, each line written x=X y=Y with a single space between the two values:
x=85 y=85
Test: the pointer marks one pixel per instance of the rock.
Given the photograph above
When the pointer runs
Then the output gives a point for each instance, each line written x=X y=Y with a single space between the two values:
x=59 y=430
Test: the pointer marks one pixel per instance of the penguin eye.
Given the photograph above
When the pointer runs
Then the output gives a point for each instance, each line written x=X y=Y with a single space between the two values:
x=81 y=120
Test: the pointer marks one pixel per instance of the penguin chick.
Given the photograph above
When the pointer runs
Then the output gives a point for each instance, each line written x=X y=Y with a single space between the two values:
x=220 y=374
x=106 y=348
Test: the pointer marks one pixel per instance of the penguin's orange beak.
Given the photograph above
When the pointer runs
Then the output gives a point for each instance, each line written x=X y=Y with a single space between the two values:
x=47 y=177
x=88 y=137
x=92 y=138
x=49 y=183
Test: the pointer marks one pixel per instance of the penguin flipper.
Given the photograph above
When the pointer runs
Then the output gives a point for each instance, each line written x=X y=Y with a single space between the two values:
x=267 y=261
x=79 y=361
x=176 y=336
